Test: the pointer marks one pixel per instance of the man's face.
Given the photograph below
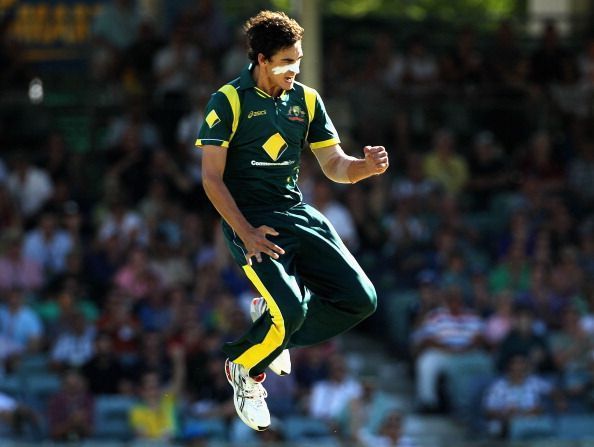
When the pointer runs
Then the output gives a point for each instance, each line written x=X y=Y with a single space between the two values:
x=283 y=66
x=524 y=322
x=48 y=224
x=518 y=368
x=150 y=387
x=15 y=299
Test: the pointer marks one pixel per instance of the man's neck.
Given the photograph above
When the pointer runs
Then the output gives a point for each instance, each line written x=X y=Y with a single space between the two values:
x=264 y=84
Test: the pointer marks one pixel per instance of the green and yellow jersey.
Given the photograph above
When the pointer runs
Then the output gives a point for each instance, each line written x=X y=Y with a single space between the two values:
x=264 y=137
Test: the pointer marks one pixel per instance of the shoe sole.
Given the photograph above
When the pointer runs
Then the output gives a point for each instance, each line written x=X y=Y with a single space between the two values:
x=254 y=316
x=237 y=410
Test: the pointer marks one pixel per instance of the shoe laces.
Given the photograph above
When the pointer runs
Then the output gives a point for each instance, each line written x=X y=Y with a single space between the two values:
x=254 y=390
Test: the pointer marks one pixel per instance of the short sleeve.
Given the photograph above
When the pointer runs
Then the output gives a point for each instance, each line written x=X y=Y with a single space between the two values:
x=216 y=129
x=494 y=398
x=321 y=130
x=137 y=418
x=34 y=324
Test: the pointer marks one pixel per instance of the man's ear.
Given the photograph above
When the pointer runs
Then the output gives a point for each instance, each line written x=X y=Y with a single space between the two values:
x=261 y=59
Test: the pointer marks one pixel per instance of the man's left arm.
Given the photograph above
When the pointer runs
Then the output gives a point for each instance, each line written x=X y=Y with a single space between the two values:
x=338 y=166
x=342 y=168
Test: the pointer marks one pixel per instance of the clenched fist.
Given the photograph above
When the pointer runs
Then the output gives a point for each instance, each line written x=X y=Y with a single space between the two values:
x=376 y=159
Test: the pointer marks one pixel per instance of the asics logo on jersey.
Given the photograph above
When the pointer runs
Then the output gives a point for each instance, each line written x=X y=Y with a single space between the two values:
x=255 y=113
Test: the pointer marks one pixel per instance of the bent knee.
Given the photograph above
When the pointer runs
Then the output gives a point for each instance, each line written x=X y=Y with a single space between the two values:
x=366 y=298
x=371 y=300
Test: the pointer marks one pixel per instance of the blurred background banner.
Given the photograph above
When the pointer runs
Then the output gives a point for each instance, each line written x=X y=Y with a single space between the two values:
x=51 y=32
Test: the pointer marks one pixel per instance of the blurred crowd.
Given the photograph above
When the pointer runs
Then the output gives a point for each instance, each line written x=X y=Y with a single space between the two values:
x=114 y=280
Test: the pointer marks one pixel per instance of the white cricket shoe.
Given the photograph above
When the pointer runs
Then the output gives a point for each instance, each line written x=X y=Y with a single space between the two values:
x=248 y=396
x=282 y=364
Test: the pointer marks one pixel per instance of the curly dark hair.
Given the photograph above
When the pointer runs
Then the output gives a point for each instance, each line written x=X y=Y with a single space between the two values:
x=268 y=32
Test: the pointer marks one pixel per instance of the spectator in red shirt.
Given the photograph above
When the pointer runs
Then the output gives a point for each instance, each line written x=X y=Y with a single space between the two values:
x=71 y=410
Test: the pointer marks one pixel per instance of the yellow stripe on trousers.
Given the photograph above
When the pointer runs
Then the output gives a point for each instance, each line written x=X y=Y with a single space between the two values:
x=276 y=334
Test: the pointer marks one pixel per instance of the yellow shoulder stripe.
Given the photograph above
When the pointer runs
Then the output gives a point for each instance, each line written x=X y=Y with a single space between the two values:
x=231 y=93
x=310 y=101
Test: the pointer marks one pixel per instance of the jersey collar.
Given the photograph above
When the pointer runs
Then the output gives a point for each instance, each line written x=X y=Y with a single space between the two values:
x=246 y=81
x=245 y=78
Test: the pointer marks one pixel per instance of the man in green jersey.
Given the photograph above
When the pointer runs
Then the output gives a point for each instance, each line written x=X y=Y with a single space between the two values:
x=253 y=133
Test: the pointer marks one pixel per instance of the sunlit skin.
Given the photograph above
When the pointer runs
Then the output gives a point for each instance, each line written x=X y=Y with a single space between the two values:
x=264 y=73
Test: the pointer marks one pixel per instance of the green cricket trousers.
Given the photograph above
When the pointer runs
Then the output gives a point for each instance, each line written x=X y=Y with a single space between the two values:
x=316 y=290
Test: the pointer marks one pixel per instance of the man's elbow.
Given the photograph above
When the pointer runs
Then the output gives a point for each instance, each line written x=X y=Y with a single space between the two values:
x=208 y=181
x=211 y=181
x=336 y=170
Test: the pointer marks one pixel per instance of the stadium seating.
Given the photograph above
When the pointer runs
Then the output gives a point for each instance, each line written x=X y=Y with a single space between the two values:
x=396 y=311
x=462 y=372
x=39 y=387
x=111 y=417
x=575 y=426
x=300 y=428
x=214 y=429
x=531 y=427
x=32 y=364
x=12 y=385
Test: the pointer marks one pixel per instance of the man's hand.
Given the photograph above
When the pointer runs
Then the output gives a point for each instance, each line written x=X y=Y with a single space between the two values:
x=256 y=243
x=376 y=159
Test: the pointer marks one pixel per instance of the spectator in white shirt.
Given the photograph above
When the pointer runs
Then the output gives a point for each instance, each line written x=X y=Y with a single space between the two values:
x=123 y=222
x=29 y=185
x=19 y=324
x=329 y=398
x=48 y=244
x=17 y=415
x=421 y=65
x=74 y=347
x=389 y=434
x=518 y=393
